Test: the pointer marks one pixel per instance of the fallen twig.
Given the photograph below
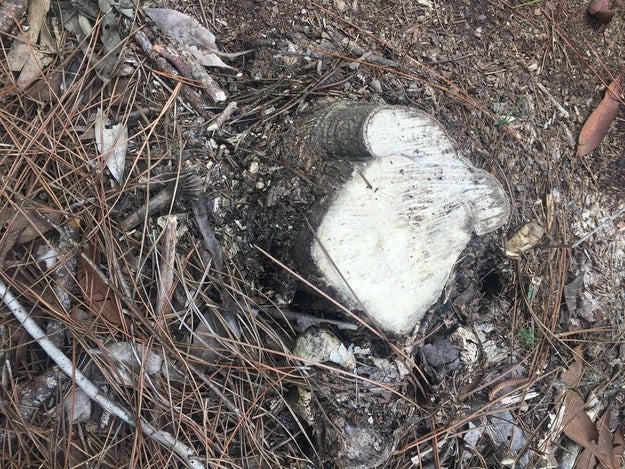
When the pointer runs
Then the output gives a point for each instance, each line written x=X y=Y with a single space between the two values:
x=209 y=240
x=192 y=71
x=187 y=454
x=185 y=184
x=194 y=98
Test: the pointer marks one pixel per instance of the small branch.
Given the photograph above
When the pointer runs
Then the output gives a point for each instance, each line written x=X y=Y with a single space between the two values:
x=190 y=69
x=154 y=204
x=194 y=98
x=353 y=48
x=186 y=453
x=563 y=113
x=209 y=240
x=185 y=184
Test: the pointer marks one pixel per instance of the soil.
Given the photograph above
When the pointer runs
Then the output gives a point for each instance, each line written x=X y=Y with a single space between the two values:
x=512 y=82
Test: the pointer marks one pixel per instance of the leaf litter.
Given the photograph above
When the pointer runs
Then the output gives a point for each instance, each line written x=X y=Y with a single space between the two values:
x=247 y=138
x=112 y=142
x=601 y=444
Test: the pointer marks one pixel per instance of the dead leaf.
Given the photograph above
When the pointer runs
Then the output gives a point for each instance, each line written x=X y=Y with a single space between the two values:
x=598 y=124
x=112 y=142
x=21 y=226
x=96 y=293
x=574 y=372
x=130 y=359
x=606 y=442
x=188 y=32
x=25 y=55
x=579 y=427
x=600 y=10
x=182 y=28
x=577 y=424
x=606 y=445
x=37 y=11
x=550 y=212
x=618 y=448
x=77 y=406
x=28 y=60
x=111 y=41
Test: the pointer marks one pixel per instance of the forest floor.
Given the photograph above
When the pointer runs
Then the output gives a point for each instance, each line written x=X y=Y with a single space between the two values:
x=519 y=364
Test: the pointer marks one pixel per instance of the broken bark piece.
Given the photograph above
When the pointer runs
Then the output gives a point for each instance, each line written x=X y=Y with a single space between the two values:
x=11 y=12
x=406 y=204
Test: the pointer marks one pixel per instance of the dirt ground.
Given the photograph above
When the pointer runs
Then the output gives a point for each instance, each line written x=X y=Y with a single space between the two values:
x=480 y=384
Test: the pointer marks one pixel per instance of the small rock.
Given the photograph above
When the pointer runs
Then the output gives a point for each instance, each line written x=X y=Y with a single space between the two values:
x=340 y=5
x=376 y=85
x=441 y=355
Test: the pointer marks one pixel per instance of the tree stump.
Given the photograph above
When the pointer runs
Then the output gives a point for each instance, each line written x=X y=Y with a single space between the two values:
x=400 y=205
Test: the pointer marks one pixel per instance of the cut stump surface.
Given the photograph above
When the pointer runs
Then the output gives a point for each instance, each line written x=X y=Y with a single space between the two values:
x=391 y=234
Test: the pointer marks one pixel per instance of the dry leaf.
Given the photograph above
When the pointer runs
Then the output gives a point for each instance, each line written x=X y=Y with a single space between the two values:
x=598 y=124
x=77 y=406
x=606 y=442
x=606 y=448
x=572 y=375
x=321 y=345
x=187 y=31
x=111 y=40
x=129 y=359
x=618 y=448
x=96 y=293
x=182 y=28
x=27 y=57
x=600 y=10
x=112 y=142
x=21 y=226
x=11 y=11
x=550 y=212
x=577 y=424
